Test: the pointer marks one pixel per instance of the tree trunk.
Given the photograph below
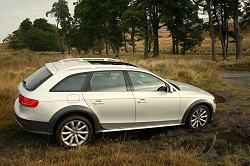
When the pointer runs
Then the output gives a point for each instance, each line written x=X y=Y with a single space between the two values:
x=146 y=42
x=133 y=39
x=98 y=46
x=237 y=31
x=173 y=44
x=227 y=37
x=177 y=46
x=222 y=40
x=156 y=39
x=211 y=30
x=115 y=48
x=59 y=40
x=125 y=43
x=107 y=46
x=79 y=50
x=68 y=45
x=146 y=37
x=146 y=49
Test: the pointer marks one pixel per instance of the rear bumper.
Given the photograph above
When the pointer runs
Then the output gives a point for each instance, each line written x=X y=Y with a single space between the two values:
x=30 y=125
x=33 y=126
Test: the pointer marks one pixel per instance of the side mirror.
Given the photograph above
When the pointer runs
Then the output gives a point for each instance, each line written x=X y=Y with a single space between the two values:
x=166 y=89
x=162 y=88
x=170 y=89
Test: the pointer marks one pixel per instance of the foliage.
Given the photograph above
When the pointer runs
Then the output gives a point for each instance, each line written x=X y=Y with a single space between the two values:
x=60 y=11
x=43 y=25
x=111 y=24
x=14 y=42
x=39 y=40
x=39 y=36
x=184 y=24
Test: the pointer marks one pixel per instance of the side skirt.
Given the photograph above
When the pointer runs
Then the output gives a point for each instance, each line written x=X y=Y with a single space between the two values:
x=137 y=128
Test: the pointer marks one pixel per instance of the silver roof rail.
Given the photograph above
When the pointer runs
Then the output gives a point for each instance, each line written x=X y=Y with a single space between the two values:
x=63 y=61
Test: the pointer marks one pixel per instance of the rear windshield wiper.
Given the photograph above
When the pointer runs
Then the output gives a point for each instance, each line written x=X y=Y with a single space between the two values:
x=24 y=84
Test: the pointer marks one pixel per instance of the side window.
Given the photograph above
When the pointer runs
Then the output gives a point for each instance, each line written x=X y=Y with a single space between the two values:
x=73 y=83
x=144 y=82
x=108 y=81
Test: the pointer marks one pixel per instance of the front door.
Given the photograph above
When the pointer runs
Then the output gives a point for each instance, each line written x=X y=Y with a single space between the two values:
x=153 y=108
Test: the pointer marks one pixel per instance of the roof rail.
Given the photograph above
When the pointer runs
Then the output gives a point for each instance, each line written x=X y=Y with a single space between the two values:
x=87 y=59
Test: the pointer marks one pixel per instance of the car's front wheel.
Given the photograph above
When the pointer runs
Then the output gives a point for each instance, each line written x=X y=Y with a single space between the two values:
x=74 y=131
x=198 y=117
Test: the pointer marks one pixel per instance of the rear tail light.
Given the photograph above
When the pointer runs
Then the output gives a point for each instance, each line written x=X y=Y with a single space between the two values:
x=27 y=102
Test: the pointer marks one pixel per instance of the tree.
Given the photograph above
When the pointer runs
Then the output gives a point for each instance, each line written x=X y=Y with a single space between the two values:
x=206 y=4
x=235 y=4
x=113 y=12
x=181 y=18
x=14 y=42
x=39 y=36
x=153 y=10
x=132 y=23
x=221 y=16
x=89 y=16
x=155 y=15
x=101 y=20
x=43 y=24
x=40 y=40
x=25 y=25
x=60 y=11
x=221 y=11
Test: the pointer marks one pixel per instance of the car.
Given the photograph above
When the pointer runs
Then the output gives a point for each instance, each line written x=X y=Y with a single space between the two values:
x=75 y=98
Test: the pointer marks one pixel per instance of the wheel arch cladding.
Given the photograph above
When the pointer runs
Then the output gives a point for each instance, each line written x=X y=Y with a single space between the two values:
x=75 y=109
x=196 y=103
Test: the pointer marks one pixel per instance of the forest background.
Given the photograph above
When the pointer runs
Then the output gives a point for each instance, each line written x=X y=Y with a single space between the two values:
x=111 y=26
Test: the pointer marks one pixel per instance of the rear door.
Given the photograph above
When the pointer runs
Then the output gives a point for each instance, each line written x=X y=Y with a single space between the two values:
x=108 y=97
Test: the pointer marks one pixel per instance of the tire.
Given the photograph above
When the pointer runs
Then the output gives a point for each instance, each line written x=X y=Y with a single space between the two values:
x=198 y=117
x=74 y=131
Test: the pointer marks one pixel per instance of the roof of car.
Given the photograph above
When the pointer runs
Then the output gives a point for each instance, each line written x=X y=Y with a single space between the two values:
x=85 y=63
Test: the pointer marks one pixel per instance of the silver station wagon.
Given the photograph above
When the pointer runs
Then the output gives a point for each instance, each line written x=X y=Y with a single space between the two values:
x=75 y=98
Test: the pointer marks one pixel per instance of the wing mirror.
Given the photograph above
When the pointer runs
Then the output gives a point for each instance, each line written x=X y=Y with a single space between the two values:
x=166 y=89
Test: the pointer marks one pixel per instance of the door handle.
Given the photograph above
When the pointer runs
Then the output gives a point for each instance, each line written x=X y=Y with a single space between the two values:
x=142 y=101
x=97 y=102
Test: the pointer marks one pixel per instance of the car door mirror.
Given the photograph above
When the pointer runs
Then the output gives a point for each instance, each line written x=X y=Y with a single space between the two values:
x=166 y=89
x=162 y=88
x=170 y=89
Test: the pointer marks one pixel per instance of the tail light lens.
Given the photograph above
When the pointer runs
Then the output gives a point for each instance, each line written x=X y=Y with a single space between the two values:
x=27 y=102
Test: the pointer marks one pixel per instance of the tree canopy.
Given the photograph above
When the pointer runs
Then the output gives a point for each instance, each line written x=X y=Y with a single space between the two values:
x=99 y=25
x=39 y=36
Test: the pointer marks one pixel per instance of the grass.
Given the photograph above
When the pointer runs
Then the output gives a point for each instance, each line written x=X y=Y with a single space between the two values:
x=20 y=148
x=109 y=154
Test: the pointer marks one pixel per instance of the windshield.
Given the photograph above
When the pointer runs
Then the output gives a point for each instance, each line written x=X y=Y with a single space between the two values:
x=37 y=78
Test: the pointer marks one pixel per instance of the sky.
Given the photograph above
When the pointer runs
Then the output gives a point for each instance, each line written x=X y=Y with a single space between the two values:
x=13 y=12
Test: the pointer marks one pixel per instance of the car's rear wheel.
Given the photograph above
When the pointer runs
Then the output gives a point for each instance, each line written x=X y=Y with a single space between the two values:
x=198 y=117
x=74 y=131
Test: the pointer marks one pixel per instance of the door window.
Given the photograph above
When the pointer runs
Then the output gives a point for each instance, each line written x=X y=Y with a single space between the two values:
x=145 y=82
x=108 y=81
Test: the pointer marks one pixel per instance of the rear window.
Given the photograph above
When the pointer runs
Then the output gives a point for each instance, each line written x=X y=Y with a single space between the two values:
x=37 y=78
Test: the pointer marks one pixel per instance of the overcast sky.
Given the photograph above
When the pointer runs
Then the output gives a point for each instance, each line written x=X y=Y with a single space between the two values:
x=13 y=12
